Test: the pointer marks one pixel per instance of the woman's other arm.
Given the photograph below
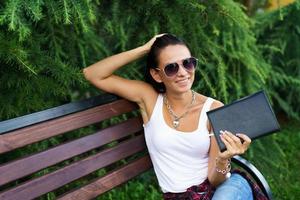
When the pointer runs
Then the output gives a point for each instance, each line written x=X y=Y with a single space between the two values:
x=219 y=160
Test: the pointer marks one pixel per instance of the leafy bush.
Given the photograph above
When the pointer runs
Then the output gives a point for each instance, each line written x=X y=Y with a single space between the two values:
x=45 y=44
x=278 y=36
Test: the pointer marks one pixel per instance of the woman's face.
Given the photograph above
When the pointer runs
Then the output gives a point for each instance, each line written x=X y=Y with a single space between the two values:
x=182 y=81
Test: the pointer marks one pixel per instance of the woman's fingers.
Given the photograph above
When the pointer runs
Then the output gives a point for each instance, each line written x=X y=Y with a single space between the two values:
x=229 y=149
x=152 y=40
x=246 y=139
x=233 y=138
x=234 y=144
x=159 y=35
x=230 y=143
x=227 y=142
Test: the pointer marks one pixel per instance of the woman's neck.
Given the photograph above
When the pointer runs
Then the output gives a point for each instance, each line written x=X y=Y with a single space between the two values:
x=179 y=100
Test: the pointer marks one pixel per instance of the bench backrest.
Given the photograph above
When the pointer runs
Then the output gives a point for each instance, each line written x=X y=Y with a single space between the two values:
x=51 y=169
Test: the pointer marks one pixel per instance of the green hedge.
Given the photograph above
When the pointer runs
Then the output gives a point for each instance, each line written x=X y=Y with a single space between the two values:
x=45 y=44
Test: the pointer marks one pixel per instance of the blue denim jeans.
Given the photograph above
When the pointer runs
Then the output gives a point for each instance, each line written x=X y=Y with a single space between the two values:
x=234 y=188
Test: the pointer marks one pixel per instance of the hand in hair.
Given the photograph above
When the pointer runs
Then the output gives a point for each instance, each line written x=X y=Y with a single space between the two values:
x=147 y=46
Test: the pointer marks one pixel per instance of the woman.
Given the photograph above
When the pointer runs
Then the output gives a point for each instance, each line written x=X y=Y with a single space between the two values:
x=186 y=160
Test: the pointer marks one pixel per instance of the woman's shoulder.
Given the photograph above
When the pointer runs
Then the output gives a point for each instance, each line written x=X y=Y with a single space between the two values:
x=215 y=102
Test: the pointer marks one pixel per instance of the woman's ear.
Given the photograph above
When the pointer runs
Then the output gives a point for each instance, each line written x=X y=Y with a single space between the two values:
x=155 y=75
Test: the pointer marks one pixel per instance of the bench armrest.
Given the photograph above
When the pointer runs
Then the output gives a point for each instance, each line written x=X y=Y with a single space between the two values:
x=253 y=171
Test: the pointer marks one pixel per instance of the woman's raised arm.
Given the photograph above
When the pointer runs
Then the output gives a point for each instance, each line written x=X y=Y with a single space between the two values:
x=101 y=75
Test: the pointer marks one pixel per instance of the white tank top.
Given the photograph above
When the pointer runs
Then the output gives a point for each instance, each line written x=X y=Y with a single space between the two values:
x=180 y=159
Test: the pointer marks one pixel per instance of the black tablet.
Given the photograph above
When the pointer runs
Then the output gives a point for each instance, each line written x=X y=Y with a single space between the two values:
x=251 y=115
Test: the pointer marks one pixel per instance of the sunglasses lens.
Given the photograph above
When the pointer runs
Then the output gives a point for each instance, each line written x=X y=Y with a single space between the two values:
x=171 y=69
x=190 y=63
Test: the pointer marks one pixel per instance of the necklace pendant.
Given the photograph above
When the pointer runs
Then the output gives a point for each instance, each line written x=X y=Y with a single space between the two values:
x=175 y=123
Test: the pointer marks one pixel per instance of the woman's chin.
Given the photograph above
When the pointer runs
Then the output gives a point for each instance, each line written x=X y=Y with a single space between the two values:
x=186 y=86
x=183 y=89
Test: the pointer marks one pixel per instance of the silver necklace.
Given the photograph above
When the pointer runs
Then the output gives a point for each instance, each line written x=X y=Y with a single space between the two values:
x=176 y=119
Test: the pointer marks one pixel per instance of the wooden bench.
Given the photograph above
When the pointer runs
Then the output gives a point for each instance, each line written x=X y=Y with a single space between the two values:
x=100 y=158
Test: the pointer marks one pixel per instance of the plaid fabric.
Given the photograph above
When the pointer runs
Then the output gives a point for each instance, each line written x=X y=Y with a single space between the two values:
x=205 y=190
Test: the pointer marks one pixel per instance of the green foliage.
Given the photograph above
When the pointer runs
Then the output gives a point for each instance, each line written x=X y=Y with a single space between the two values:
x=45 y=44
x=277 y=157
x=40 y=53
x=278 y=36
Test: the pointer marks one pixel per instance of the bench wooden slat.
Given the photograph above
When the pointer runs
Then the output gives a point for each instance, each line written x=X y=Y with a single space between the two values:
x=110 y=181
x=51 y=113
x=41 y=131
x=22 y=167
x=56 y=179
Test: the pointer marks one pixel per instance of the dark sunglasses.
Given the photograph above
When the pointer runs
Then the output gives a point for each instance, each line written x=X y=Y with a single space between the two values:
x=189 y=64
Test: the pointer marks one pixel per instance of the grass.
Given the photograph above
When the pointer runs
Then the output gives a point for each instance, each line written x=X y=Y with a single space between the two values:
x=277 y=156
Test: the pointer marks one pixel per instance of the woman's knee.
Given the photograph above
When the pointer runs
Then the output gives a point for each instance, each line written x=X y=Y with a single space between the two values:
x=236 y=187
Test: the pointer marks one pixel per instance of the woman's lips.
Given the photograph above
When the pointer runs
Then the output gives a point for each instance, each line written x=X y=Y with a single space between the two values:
x=182 y=80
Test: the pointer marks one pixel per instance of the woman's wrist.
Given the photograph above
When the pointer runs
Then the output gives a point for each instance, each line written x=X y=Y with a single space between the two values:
x=222 y=165
x=222 y=160
x=144 y=49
